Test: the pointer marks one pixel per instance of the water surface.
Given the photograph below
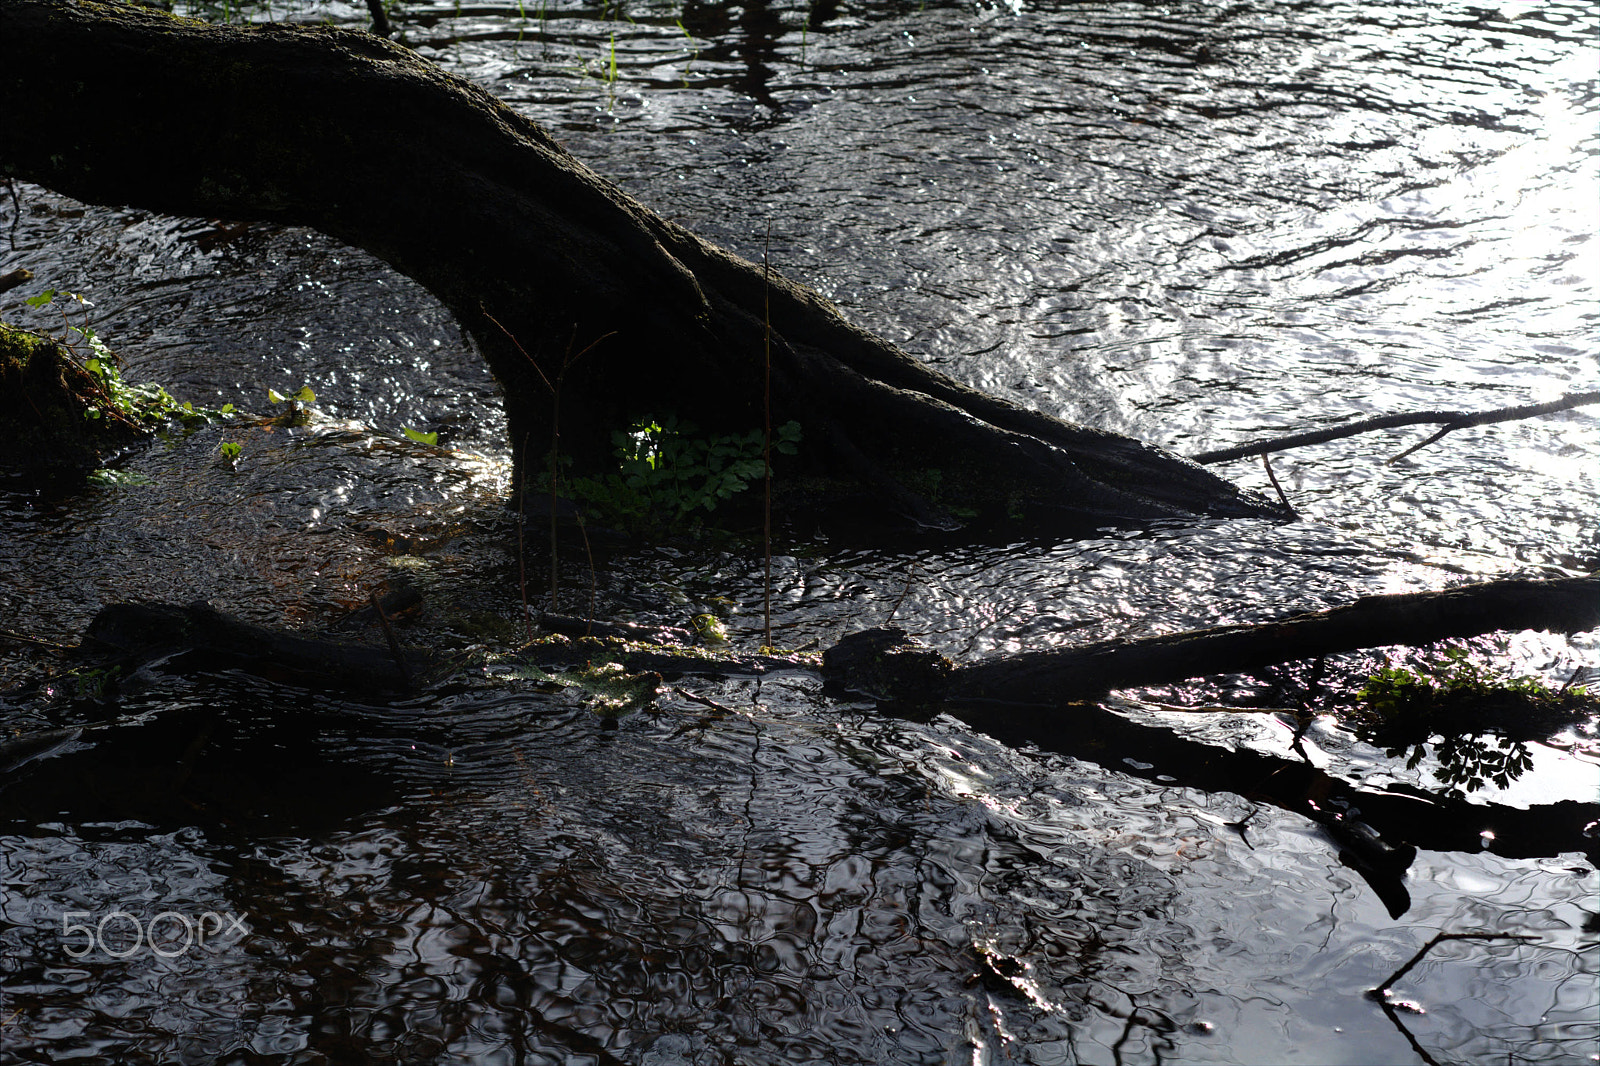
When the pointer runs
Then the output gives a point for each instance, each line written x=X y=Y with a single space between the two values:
x=1197 y=225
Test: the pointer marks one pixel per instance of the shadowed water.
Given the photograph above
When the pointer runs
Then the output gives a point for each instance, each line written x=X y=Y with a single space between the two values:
x=1194 y=224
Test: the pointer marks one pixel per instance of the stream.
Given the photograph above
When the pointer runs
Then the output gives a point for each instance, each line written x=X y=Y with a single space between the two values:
x=1196 y=224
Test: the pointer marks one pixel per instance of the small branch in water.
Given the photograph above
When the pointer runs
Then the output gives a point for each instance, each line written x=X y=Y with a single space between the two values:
x=16 y=216
x=1382 y=991
x=766 y=441
x=394 y=642
x=695 y=697
x=567 y=364
x=911 y=576
x=1287 y=506
x=522 y=562
x=1452 y=420
x=35 y=640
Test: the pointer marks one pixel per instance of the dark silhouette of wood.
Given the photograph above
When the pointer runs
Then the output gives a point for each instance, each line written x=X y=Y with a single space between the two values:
x=206 y=638
x=1040 y=701
x=1451 y=420
x=353 y=135
x=1064 y=675
x=55 y=415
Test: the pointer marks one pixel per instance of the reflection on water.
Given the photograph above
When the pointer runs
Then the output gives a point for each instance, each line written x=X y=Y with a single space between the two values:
x=1192 y=223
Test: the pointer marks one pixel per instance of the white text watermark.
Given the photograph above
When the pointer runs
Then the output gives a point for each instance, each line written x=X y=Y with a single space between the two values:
x=168 y=934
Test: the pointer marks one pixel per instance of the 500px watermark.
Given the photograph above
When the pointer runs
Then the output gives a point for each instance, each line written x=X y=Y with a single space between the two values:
x=169 y=934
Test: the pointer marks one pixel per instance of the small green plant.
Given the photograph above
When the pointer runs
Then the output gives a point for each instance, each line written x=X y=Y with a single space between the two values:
x=305 y=395
x=606 y=688
x=229 y=450
x=670 y=472
x=694 y=51
x=419 y=436
x=1397 y=693
x=297 y=413
x=1477 y=720
x=146 y=404
x=118 y=479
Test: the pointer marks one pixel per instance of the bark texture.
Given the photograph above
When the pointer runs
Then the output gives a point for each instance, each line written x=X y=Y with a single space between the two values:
x=357 y=137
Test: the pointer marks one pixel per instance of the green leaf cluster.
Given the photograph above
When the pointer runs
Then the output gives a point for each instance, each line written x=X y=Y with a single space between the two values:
x=1476 y=719
x=670 y=472
x=1395 y=692
x=147 y=404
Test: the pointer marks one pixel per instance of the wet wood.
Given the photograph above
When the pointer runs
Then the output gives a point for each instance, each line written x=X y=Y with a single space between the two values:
x=1377 y=832
x=1451 y=420
x=208 y=638
x=55 y=417
x=1400 y=817
x=1065 y=675
x=362 y=139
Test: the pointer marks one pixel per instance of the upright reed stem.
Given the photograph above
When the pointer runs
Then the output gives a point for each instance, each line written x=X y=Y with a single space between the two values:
x=766 y=443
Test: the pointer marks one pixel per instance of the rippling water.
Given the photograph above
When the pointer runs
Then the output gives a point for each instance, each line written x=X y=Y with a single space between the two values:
x=1195 y=224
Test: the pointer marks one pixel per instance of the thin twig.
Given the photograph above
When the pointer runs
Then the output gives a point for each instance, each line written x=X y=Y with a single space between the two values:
x=1452 y=420
x=1382 y=990
x=594 y=578
x=766 y=441
x=16 y=216
x=1508 y=414
x=394 y=641
x=1274 y=479
x=567 y=363
x=911 y=576
x=36 y=640
x=694 y=697
x=512 y=338
x=522 y=561
x=555 y=469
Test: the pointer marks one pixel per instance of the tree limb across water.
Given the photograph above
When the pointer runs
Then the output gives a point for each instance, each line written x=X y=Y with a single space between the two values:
x=1042 y=697
x=1063 y=675
x=1451 y=420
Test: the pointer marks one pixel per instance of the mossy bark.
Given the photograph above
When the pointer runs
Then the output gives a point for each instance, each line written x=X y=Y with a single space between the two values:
x=360 y=138
x=54 y=420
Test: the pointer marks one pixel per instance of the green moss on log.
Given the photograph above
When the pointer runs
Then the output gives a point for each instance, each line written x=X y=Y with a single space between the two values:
x=53 y=418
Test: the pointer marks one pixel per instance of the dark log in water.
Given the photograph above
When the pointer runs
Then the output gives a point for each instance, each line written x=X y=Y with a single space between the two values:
x=208 y=638
x=55 y=416
x=1064 y=675
x=539 y=258
x=1377 y=832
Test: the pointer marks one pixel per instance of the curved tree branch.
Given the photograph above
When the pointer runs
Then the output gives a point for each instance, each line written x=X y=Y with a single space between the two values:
x=360 y=138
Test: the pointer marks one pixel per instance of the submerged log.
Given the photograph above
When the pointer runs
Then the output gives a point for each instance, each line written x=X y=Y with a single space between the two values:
x=539 y=258
x=200 y=633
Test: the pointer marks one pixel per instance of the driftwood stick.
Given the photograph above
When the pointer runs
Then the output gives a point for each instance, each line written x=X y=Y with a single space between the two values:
x=394 y=641
x=1065 y=675
x=1451 y=420
x=1382 y=990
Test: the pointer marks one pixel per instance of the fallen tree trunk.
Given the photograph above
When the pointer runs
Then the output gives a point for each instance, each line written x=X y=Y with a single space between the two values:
x=886 y=665
x=1375 y=844
x=1065 y=675
x=538 y=258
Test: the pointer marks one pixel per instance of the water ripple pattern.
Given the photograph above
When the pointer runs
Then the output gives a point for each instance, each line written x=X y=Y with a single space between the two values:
x=1200 y=224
